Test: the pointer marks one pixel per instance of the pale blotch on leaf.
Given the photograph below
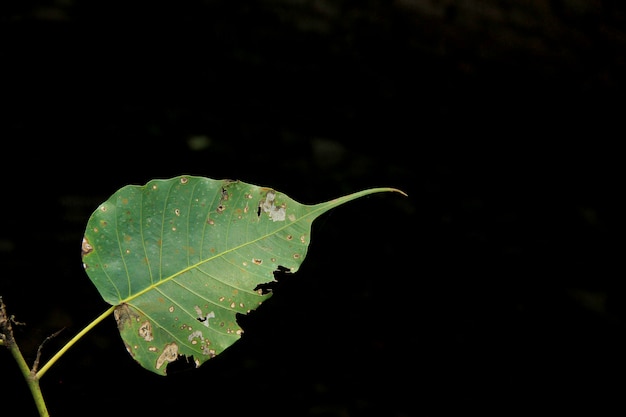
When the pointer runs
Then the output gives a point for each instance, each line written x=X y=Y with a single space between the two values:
x=145 y=331
x=202 y=318
x=277 y=214
x=195 y=335
x=169 y=354
x=123 y=315
x=86 y=247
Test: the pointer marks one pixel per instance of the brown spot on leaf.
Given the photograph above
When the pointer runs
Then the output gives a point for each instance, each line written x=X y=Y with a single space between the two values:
x=145 y=331
x=129 y=349
x=86 y=247
x=124 y=315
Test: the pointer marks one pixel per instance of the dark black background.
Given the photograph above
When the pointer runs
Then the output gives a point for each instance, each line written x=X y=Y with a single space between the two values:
x=495 y=287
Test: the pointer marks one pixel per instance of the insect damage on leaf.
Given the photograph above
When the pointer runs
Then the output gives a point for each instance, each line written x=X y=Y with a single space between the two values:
x=169 y=354
x=145 y=331
x=139 y=337
x=202 y=318
x=277 y=214
x=124 y=316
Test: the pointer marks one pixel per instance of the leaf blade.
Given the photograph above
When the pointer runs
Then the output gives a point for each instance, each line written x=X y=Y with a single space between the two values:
x=181 y=257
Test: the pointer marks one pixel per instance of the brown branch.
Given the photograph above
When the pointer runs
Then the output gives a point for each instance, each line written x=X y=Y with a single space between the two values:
x=6 y=331
x=36 y=362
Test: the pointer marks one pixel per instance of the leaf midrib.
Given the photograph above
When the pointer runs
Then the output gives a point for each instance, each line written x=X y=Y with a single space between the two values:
x=314 y=211
x=318 y=209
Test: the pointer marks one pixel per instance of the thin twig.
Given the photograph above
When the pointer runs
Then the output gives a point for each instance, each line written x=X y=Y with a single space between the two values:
x=19 y=323
x=36 y=362
x=29 y=375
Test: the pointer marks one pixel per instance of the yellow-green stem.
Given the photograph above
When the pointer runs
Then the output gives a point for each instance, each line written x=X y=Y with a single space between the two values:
x=31 y=379
x=75 y=339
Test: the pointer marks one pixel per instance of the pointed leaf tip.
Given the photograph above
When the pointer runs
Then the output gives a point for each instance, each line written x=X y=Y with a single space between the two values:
x=396 y=190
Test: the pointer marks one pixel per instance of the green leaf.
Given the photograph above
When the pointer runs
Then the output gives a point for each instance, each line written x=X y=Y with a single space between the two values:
x=181 y=257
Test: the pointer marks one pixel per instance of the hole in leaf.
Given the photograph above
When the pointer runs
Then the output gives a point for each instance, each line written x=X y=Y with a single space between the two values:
x=246 y=321
x=279 y=275
x=182 y=364
x=281 y=272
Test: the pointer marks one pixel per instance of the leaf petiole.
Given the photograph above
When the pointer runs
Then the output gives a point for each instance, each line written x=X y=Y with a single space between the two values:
x=76 y=338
